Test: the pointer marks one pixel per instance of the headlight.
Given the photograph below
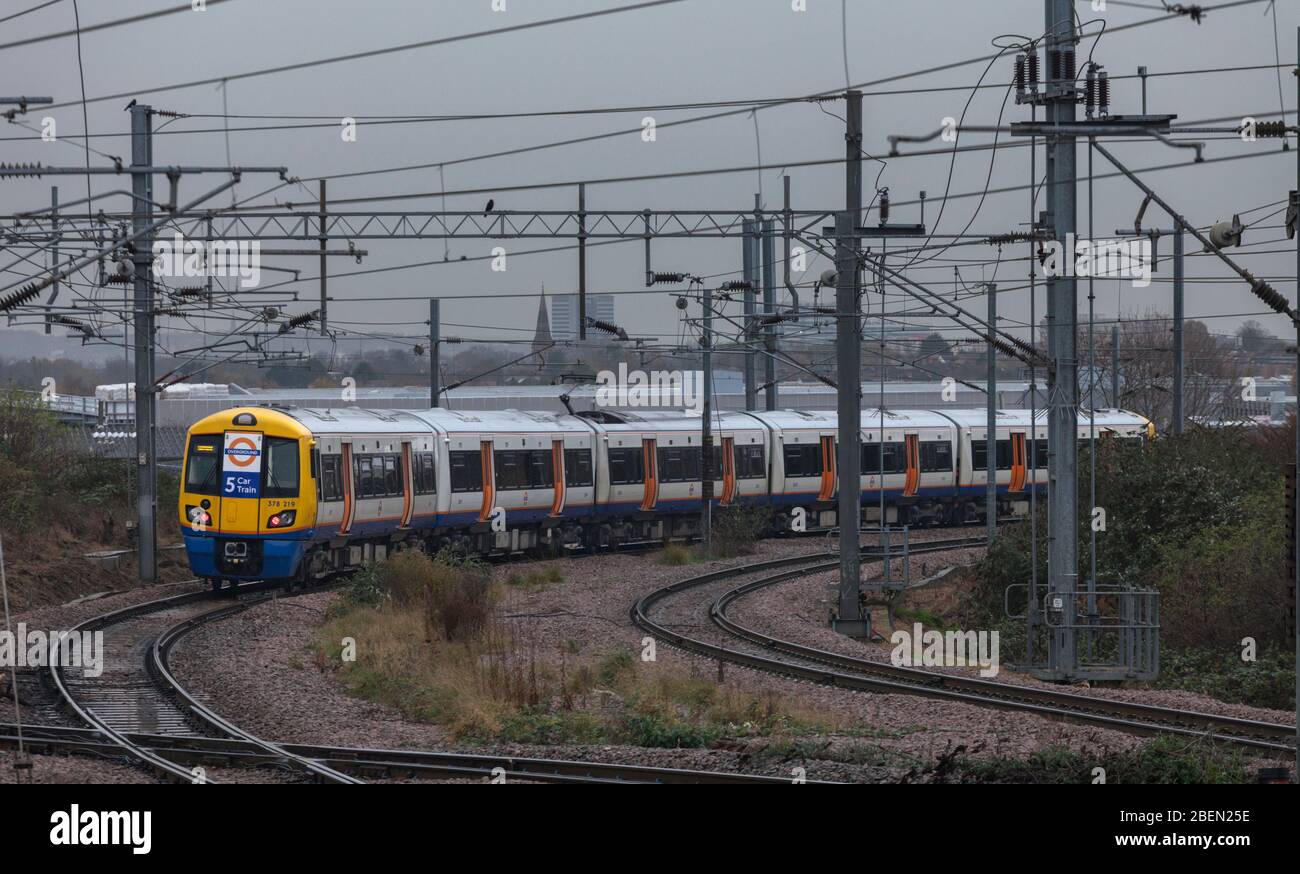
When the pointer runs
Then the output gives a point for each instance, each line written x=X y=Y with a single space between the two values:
x=199 y=517
x=281 y=520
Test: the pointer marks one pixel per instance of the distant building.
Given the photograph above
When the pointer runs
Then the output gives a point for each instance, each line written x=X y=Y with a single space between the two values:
x=564 y=313
x=542 y=336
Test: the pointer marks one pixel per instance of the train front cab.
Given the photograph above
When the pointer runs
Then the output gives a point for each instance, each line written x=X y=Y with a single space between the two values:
x=247 y=498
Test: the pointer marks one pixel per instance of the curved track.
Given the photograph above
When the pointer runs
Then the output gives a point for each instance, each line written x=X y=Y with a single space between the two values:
x=373 y=763
x=136 y=692
x=819 y=666
x=137 y=710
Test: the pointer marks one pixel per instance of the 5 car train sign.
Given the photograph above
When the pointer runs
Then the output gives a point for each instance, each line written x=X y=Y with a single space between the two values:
x=241 y=465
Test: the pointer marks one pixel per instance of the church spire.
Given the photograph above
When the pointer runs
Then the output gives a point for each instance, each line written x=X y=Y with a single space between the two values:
x=542 y=336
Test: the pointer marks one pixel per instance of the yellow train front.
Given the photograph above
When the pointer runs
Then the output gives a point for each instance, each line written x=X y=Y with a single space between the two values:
x=247 y=500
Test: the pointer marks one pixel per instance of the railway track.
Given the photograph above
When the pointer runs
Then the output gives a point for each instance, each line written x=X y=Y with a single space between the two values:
x=136 y=692
x=372 y=763
x=137 y=710
x=819 y=666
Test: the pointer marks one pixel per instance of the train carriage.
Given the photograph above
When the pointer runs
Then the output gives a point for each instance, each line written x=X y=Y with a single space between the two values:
x=294 y=494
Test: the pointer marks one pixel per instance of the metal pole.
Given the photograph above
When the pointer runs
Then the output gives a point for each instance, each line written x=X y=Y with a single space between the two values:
x=787 y=233
x=749 y=268
x=769 y=309
x=22 y=761
x=1114 y=366
x=849 y=404
x=582 y=261
x=990 y=442
x=435 y=340
x=1178 y=414
x=1296 y=623
x=145 y=413
x=706 y=429
x=1063 y=457
x=54 y=258
x=324 y=237
x=848 y=343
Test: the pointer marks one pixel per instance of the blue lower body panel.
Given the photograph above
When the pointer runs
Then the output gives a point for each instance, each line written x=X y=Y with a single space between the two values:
x=267 y=557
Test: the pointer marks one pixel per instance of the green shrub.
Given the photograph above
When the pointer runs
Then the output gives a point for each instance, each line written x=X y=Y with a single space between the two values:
x=737 y=528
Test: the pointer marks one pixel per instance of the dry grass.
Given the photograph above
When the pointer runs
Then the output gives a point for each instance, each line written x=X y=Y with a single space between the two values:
x=437 y=645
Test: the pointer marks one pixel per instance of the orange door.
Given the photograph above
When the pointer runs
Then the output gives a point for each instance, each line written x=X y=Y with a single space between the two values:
x=828 y=469
x=408 y=486
x=557 y=470
x=728 y=470
x=1017 y=462
x=651 y=475
x=489 y=477
x=912 y=448
x=349 y=500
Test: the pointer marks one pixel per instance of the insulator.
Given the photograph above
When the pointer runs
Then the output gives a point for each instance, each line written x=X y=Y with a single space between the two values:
x=1090 y=92
x=119 y=279
x=737 y=285
x=190 y=291
x=299 y=321
x=657 y=278
x=884 y=205
x=18 y=171
x=1067 y=65
x=19 y=297
x=1020 y=74
x=1033 y=70
x=1270 y=129
x=1270 y=295
x=75 y=324
x=1103 y=92
x=1053 y=65
x=607 y=327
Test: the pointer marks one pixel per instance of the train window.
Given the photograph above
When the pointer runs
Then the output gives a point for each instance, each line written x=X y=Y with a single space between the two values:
x=466 y=470
x=895 y=458
x=524 y=469
x=577 y=468
x=203 y=465
x=1004 y=455
x=541 y=469
x=330 y=483
x=979 y=457
x=392 y=482
x=1040 y=449
x=751 y=462
x=280 y=479
x=803 y=459
x=716 y=455
x=936 y=455
x=362 y=475
x=424 y=476
x=680 y=464
x=626 y=466
x=509 y=475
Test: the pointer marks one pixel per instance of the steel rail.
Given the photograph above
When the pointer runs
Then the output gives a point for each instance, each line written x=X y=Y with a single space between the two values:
x=872 y=677
x=378 y=761
x=160 y=669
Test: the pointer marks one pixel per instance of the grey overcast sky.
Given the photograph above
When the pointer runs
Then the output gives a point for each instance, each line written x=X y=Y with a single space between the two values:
x=694 y=50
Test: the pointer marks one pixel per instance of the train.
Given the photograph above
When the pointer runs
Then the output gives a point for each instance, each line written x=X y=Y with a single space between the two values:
x=295 y=494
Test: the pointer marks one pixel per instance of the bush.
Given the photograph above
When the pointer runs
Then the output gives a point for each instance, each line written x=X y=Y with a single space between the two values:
x=675 y=555
x=1197 y=517
x=737 y=528
x=1269 y=681
x=1165 y=760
